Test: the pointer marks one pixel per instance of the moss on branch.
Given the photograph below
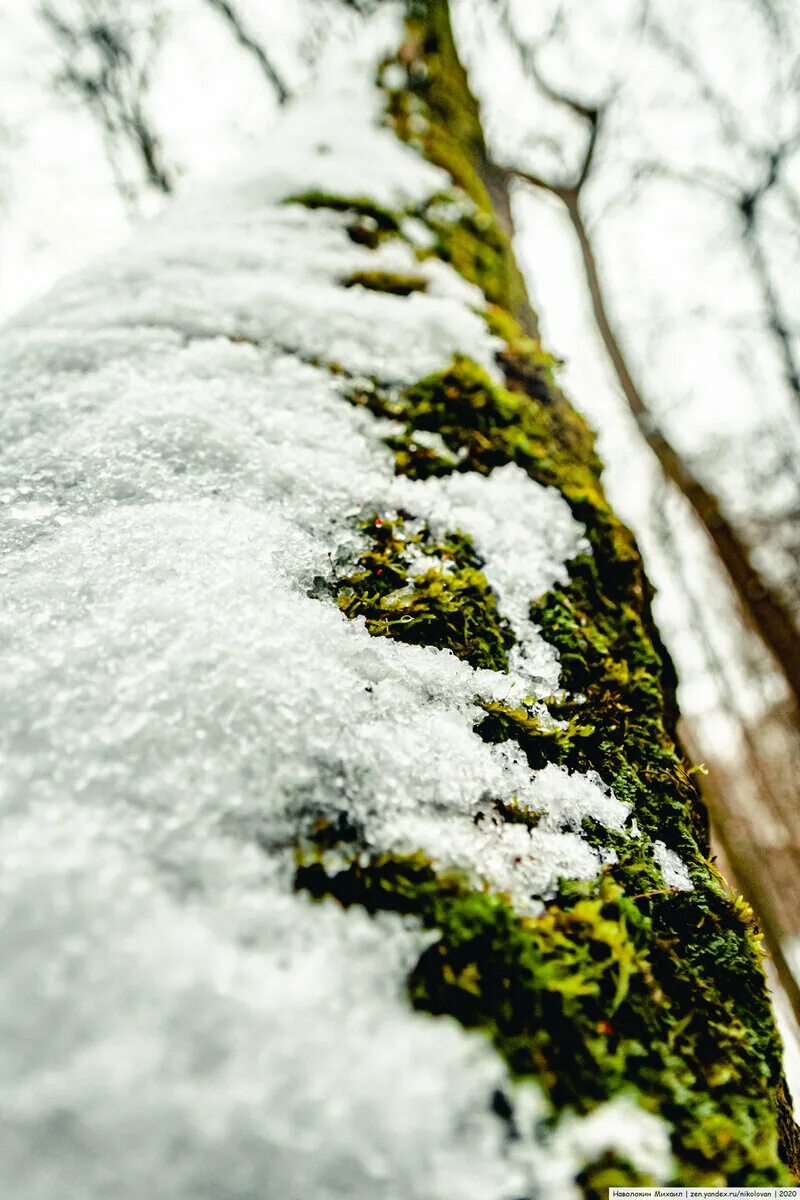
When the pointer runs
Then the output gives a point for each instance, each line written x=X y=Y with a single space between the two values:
x=623 y=982
x=443 y=600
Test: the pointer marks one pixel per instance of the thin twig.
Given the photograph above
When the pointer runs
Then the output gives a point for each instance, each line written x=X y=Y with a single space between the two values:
x=250 y=43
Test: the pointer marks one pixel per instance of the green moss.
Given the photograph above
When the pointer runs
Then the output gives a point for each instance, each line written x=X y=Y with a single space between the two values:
x=623 y=983
x=394 y=282
x=723 y=1071
x=541 y=989
x=449 y=605
x=469 y=240
x=362 y=206
x=589 y=999
x=617 y=707
x=676 y=1007
x=484 y=426
x=611 y=1170
x=543 y=743
x=435 y=111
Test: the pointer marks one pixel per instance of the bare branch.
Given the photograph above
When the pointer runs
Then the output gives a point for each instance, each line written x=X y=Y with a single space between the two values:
x=770 y=616
x=253 y=46
x=776 y=318
x=561 y=190
x=529 y=59
x=679 y=53
x=112 y=82
x=590 y=115
x=700 y=178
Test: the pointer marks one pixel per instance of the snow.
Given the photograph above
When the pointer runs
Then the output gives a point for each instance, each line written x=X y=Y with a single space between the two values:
x=620 y=1125
x=180 y=473
x=674 y=870
x=526 y=535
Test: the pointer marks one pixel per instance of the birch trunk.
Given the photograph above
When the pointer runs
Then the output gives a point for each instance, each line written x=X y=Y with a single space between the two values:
x=348 y=847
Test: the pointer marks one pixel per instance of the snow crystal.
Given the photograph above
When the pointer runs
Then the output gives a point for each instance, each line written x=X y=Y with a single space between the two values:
x=286 y=297
x=565 y=799
x=620 y=1126
x=180 y=476
x=673 y=868
x=524 y=532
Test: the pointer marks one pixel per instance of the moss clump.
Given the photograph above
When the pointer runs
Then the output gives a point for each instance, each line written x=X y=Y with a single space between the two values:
x=542 y=989
x=589 y=999
x=611 y=1170
x=543 y=743
x=394 y=282
x=369 y=224
x=720 y=1089
x=622 y=983
x=469 y=240
x=617 y=708
x=484 y=426
x=689 y=1023
x=361 y=206
x=448 y=604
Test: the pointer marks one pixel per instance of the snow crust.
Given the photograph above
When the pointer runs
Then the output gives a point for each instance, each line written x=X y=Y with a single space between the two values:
x=501 y=513
x=180 y=475
x=672 y=867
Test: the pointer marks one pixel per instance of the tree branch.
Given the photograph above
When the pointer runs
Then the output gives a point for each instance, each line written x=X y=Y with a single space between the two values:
x=769 y=614
x=254 y=47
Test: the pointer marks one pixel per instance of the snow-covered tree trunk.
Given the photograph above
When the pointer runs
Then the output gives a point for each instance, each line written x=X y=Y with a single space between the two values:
x=347 y=847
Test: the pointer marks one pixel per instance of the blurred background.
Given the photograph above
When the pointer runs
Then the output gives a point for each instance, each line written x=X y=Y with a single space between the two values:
x=655 y=147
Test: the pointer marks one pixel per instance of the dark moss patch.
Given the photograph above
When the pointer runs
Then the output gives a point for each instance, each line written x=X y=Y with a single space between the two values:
x=360 y=206
x=623 y=983
x=449 y=605
x=611 y=1170
x=589 y=999
x=393 y=282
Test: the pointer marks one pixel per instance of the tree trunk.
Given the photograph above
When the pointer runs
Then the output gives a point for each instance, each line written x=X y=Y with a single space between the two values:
x=338 y=710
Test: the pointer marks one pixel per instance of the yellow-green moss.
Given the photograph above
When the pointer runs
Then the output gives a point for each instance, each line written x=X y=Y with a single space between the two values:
x=361 y=206
x=469 y=240
x=484 y=426
x=624 y=983
x=592 y=998
x=397 y=283
x=449 y=605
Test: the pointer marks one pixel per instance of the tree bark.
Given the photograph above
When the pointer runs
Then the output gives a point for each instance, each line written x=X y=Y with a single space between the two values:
x=352 y=848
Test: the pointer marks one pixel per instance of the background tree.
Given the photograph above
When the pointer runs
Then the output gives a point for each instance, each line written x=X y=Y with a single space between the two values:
x=107 y=58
